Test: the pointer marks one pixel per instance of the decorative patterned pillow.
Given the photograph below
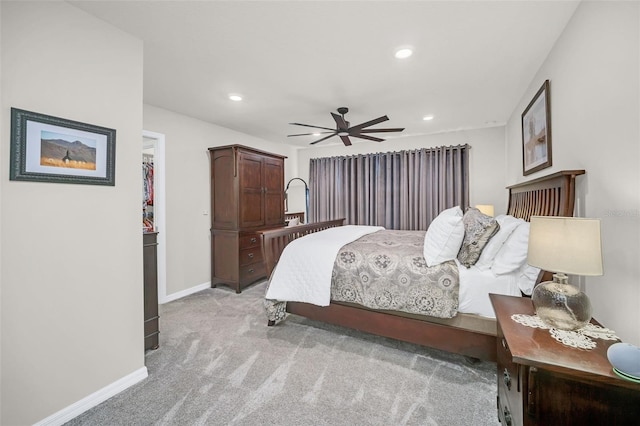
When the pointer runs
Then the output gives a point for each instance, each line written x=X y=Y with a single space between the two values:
x=478 y=230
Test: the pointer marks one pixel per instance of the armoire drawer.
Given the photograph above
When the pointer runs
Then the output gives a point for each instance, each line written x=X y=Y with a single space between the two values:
x=249 y=273
x=249 y=240
x=250 y=255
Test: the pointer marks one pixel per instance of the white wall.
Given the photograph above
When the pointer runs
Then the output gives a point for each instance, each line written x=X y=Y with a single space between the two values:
x=2 y=160
x=71 y=255
x=486 y=159
x=594 y=75
x=188 y=220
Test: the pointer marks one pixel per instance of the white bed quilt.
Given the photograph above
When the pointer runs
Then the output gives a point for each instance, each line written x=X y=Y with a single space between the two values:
x=299 y=277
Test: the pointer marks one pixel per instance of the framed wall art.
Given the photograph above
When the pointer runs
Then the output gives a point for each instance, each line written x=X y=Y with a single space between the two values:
x=536 y=132
x=53 y=149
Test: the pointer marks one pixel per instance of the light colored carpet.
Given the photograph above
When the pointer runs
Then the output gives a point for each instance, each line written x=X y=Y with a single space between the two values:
x=219 y=364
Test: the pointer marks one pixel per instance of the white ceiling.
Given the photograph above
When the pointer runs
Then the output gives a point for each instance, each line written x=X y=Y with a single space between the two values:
x=296 y=61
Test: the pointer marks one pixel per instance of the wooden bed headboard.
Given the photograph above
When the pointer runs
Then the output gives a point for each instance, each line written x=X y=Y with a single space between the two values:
x=552 y=195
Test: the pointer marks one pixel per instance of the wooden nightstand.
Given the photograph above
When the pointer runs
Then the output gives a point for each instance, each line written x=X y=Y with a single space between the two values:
x=543 y=382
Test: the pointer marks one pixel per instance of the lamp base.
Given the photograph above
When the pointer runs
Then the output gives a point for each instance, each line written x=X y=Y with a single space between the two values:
x=561 y=305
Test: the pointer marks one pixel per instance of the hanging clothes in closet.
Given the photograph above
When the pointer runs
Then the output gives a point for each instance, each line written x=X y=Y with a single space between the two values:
x=147 y=194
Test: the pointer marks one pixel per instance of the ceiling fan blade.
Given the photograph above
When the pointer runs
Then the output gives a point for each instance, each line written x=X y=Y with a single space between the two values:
x=342 y=125
x=325 y=138
x=315 y=127
x=309 y=134
x=369 y=123
x=396 y=129
x=345 y=140
x=371 y=138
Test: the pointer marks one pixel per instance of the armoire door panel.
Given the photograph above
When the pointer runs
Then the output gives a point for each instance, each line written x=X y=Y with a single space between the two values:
x=251 y=209
x=224 y=205
x=274 y=209
x=251 y=171
x=274 y=194
x=274 y=174
x=251 y=203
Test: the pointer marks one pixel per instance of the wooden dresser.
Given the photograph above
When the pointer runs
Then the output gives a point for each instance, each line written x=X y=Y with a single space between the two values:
x=543 y=382
x=247 y=196
x=151 y=318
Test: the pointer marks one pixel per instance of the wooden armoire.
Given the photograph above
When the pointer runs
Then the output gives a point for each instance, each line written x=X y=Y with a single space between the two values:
x=247 y=196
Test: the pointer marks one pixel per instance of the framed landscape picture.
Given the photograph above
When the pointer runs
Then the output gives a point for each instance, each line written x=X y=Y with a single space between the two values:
x=536 y=132
x=53 y=149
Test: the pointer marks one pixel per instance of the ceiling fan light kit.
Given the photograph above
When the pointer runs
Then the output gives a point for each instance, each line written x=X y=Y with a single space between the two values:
x=344 y=130
x=403 y=53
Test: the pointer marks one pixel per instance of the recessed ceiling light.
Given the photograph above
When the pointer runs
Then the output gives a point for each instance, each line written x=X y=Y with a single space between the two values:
x=235 y=97
x=427 y=117
x=404 y=53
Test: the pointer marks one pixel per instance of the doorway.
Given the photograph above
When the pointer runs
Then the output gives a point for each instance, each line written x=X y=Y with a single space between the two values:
x=153 y=150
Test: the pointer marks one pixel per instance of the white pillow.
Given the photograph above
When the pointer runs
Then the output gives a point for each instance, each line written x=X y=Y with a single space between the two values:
x=508 y=224
x=294 y=222
x=527 y=279
x=513 y=253
x=444 y=237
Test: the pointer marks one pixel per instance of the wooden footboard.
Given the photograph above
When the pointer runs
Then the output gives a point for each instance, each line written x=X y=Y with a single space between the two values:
x=274 y=241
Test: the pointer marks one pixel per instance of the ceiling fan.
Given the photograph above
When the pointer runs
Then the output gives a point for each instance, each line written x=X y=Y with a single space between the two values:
x=344 y=131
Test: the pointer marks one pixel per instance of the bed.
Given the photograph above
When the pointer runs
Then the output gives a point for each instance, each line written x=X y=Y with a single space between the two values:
x=467 y=334
x=298 y=217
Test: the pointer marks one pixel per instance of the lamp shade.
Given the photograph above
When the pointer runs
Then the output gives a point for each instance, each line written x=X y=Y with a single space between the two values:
x=568 y=245
x=485 y=208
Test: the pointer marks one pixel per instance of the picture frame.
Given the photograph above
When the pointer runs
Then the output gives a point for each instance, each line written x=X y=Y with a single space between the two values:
x=536 y=132
x=53 y=149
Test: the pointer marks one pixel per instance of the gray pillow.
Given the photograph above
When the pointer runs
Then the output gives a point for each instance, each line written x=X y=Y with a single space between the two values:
x=478 y=230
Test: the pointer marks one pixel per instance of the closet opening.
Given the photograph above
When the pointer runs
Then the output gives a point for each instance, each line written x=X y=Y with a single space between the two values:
x=153 y=205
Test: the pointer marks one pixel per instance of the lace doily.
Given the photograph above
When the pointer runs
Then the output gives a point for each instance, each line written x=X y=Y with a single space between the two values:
x=581 y=338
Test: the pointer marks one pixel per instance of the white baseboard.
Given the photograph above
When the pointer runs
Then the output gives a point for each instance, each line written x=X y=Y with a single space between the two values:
x=183 y=293
x=77 y=408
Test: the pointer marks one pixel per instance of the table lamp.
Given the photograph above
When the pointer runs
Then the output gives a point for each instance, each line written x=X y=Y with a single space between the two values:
x=485 y=208
x=564 y=245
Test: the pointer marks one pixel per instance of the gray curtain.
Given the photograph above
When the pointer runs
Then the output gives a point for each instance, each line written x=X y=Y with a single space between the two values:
x=397 y=190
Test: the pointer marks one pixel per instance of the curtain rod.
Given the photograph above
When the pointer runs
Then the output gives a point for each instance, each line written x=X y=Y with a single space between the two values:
x=467 y=146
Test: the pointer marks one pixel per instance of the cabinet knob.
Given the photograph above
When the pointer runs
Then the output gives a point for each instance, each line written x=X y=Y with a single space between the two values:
x=507 y=378
x=504 y=344
x=253 y=240
x=250 y=255
x=507 y=416
x=251 y=271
